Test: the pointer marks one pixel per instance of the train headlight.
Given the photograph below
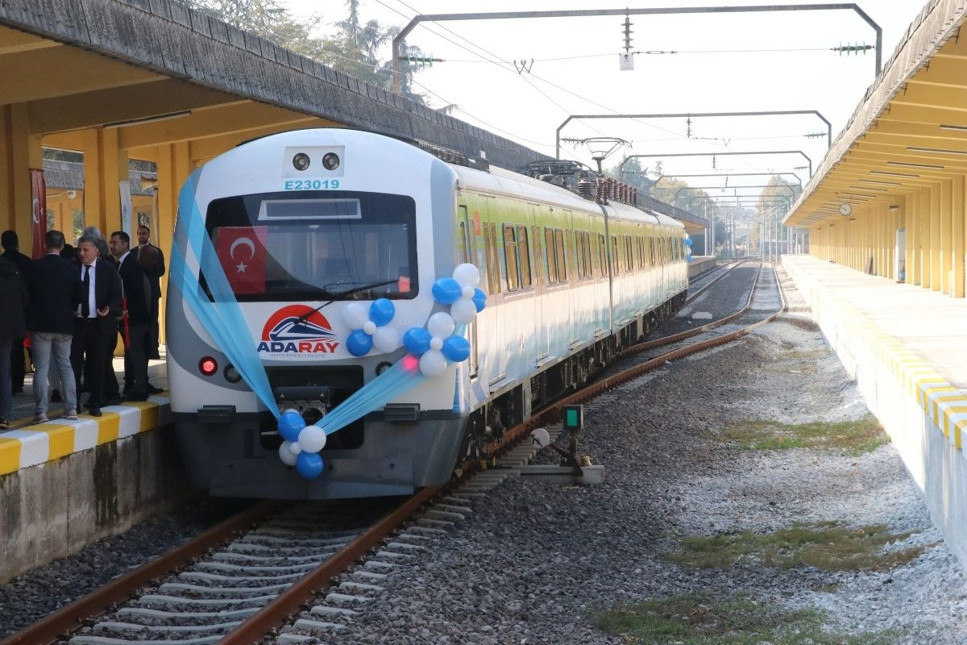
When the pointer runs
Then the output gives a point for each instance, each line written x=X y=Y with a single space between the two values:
x=330 y=161
x=301 y=161
x=208 y=366
x=231 y=374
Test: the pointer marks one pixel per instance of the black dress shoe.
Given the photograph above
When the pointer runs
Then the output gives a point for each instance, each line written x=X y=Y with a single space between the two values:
x=114 y=400
x=135 y=397
x=94 y=412
x=154 y=390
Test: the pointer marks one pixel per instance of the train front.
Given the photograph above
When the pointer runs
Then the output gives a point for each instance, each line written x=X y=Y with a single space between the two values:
x=282 y=247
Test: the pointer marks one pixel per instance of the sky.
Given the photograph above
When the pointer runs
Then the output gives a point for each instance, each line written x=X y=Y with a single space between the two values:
x=736 y=62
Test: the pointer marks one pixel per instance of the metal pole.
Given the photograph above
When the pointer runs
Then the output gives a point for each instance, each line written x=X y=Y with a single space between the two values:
x=581 y=13
x=621 y=166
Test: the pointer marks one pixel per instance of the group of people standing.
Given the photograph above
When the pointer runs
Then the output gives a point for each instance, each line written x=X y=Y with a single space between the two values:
x=73 y=304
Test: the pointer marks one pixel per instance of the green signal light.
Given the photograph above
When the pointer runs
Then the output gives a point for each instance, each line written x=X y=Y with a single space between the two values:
x=573 y=417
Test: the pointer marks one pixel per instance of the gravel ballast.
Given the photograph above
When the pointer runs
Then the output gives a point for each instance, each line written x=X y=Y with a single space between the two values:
x=536 y=560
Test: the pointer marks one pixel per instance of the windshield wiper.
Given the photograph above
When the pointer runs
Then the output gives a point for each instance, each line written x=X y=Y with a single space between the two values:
x=341 y=295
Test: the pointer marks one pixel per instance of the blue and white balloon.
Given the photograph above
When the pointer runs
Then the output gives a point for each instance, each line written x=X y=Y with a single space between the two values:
x=463 y=311
x=359 y=343
x=386 y=339
x=416 y=340
x=312 y=439
x=467 y=275
x=355 y=315
x=440 y=325
x=382 y=311
x=479 y=299
x=286 y=455
x=433 y=363
x=456 y=349
x=447 y=291
x=290 y=424
x=309 y=464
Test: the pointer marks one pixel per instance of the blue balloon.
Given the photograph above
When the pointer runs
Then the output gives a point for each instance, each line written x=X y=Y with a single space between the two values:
x=382 y=311
x=416 y=340
x=290 y=424
x=447 y=291
x=359 y=343
x=479 y=299
x=688 y=241
x=689 y=258
x=456 y=349
x=309 y=464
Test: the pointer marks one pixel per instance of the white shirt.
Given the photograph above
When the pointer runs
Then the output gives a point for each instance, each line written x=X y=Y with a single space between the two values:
x=91 y=302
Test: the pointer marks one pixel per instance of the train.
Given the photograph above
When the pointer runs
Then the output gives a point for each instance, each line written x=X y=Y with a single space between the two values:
x=311 y=268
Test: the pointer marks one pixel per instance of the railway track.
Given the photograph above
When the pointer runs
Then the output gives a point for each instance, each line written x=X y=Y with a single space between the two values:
x=268 y=571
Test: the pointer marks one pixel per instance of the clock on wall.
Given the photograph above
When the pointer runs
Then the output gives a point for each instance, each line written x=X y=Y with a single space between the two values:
x=845 y=209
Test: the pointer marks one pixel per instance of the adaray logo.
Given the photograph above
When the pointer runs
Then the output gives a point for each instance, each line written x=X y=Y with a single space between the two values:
x=297 y=329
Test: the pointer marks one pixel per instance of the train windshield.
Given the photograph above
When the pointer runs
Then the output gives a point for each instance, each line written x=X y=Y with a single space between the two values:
x=316 y=245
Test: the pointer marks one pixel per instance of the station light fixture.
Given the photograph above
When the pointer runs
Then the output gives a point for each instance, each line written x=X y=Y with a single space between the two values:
x=910 y=164
x=936 y=151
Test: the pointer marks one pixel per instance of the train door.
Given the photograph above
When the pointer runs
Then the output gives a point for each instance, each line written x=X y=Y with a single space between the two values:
x=469 y=230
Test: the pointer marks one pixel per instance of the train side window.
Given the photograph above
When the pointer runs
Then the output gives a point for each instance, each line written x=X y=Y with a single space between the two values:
x=561 y=255
x=551 y=256
x=602 y=254
x=629 y=255
x=588 y=269
x=651 y=250
x=535 y=240
x=615 y=261
x=511 y=259
x=493 y=264
x=523 y=252
x=579 y=253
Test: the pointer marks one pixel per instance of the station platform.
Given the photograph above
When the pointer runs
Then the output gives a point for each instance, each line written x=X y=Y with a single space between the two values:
x=907 y=348
x=28 y=444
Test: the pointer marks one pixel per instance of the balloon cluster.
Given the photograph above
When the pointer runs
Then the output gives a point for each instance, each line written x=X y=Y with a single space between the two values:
x=301 y=444
x=688 y=247
x=371 y=327
x=436 y=344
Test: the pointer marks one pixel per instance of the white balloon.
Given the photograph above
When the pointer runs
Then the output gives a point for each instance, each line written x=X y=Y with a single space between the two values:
x=386 y=339
x=467 y=275
x=436 y=343
x=355 y=315
x=467 y=292
x=286 y=455
x=433 y=363
x=463 y=311
x=312 y=439
x=440 y=325
x=369 y=327
x=295 y=448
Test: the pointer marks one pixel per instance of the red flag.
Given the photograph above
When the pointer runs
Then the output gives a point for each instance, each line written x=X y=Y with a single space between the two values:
x=38 y=194
x=241 y=251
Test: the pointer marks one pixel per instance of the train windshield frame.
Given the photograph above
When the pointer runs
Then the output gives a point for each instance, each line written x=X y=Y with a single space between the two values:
x=315 y=245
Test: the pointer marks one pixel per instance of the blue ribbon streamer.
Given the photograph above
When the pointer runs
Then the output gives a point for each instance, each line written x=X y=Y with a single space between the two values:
x=223 y=318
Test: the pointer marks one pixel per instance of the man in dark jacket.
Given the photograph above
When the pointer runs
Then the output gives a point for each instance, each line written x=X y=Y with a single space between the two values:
x=55 y=293
x=133 y=325
x=95 y=320
x=18 y=365
x=13 y=305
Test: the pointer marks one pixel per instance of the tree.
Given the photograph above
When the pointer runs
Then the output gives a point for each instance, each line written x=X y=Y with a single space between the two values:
x=353 y=49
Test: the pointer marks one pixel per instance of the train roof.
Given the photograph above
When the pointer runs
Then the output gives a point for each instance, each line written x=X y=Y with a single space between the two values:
x=506 y=182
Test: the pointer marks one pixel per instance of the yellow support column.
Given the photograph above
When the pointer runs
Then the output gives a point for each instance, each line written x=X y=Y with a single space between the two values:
x=174 y=166
x=21 y=152
x=913 y=239
x=946 y=248
x=934 y=241
x=958 y=217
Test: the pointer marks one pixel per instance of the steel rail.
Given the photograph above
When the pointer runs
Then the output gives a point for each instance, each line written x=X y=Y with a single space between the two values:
x=67 y=619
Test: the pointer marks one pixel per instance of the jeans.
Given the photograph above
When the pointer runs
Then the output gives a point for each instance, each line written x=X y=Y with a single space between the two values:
x=46 y=345
x=6 y=392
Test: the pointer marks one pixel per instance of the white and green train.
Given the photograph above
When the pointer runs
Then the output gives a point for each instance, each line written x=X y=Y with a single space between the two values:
x=302 y=263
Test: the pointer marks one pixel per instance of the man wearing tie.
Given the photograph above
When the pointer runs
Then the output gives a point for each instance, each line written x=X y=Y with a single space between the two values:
x=95 y=320
x=134 y=323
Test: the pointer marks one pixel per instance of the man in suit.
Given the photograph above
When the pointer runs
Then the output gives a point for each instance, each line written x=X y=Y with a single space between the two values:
x=13 y=303
x=11 y=252
x=55 y=293
x=95 y=320
x=133 y=325
x=152 y=259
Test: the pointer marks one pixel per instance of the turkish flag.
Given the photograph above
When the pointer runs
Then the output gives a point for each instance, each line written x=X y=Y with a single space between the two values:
x=38 y=214
x=241 y=251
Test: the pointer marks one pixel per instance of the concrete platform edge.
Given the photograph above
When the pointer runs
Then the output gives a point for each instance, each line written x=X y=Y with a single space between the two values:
x=922 y=412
